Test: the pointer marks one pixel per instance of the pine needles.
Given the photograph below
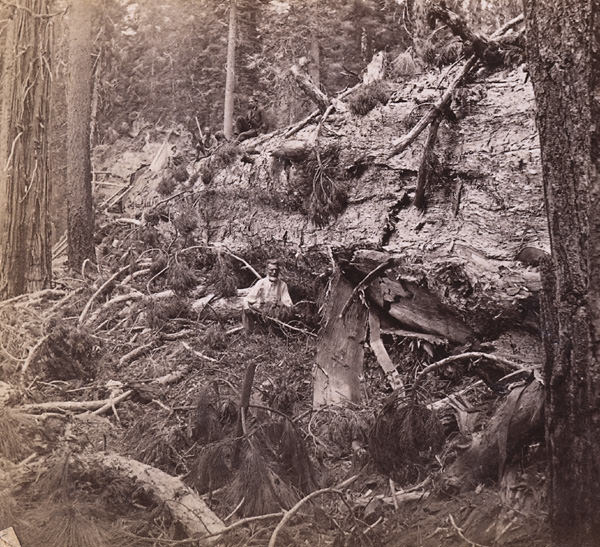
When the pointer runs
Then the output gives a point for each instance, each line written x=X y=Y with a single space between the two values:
x=16 y=434
x=405 y=437
x=325 y=196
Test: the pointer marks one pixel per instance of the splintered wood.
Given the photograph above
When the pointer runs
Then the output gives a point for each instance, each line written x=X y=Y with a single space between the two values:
x=340 y=349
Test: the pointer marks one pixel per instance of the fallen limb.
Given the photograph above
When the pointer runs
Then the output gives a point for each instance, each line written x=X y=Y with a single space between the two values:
x=184 y=505
x=487 y=51
x=100 y=290
x=435 y=111
x=313 y=115
x=110 y=404
x=243 y=522
x=444 y=101
x=135 y=295
x=428 y=164
x=134 y=354
x=198 y=354
x=382 y=355
x=33 y=353
x=310 y=89
x=29 y=297
x=469 y=355
x=289 y=514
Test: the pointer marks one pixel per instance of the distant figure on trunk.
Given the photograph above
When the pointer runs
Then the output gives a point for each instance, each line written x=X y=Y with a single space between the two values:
x=269 y=297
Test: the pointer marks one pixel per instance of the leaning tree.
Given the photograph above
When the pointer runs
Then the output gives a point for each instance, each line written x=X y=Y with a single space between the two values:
x=25 y=255
x=564 y=61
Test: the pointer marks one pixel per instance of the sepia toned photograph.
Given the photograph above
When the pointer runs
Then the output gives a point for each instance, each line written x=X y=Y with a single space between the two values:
x=284 y=273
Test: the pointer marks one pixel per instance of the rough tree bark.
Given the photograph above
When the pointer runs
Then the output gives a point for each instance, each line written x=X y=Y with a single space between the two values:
x=80 y=215
x=230 y=78
x=564 y=60
x=25 y=262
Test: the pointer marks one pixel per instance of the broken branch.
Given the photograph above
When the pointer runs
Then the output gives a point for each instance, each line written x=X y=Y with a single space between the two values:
x=467 y=355
x=289 y=514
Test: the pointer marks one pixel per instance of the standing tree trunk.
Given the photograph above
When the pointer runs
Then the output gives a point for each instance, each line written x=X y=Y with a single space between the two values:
x=25 y=256
x=230 y=78
x=80 y=216
x=564 y=61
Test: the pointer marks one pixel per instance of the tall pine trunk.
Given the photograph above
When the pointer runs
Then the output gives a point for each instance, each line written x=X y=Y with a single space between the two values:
x=80 y=216
x=564 y=61
x=25 y=254
x=230 y=77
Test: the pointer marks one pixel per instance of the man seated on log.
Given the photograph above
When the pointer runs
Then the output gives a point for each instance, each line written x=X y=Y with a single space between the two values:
x=269 y=297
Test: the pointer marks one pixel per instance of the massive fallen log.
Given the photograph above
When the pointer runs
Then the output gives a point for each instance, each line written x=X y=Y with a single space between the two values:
x=186 y=508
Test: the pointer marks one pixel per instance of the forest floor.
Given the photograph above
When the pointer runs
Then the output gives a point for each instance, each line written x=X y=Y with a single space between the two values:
x=185 y=424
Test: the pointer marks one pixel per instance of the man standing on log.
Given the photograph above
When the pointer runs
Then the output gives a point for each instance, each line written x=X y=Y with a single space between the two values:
x=269 y=297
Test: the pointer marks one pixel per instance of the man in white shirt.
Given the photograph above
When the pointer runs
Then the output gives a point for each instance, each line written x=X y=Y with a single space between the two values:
x=268 y=296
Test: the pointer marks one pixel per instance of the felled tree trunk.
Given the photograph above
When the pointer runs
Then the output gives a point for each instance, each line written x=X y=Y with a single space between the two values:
x=340 y=349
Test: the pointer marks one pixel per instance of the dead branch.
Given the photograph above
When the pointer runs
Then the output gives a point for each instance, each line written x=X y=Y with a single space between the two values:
x=64 y=406
x=487 y=51
x=198 y=354
x=304 y=122
x=436 y=110
x=382 y=355
x=289 y=514
x=134 y=354
x=100 y=290
x=444 y=101
x=428 y=164
x=364 y=282
x=111 y=403
x=310 y=89
x=420 y=335
x=461 y=534
x=243 y=522
x=33 y=353
x=135 y=295
x=468 y=355
x=185 y=506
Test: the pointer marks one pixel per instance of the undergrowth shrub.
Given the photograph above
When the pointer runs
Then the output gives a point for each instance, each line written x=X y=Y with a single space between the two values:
x=181 y=278
x=161 y=311
x=167 y=185
x=439 y=54
x=403 y=66
x=222 y=276
x=179 y=173
x=68 y=353
x=16 y=435
x=214 y=338
x=186 y=221
x=368 y=97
